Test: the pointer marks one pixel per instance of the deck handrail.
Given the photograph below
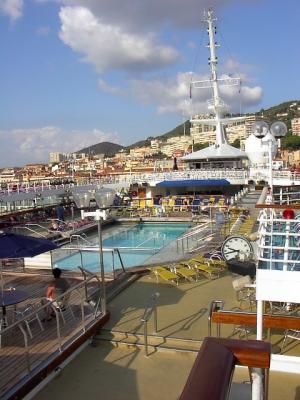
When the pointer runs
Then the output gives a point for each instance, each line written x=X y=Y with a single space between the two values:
x=192 y=234
x=80 y=237
x=211 y=374
x=250 y=319
x=58 y=337
x=151 y=308
x=27 y=227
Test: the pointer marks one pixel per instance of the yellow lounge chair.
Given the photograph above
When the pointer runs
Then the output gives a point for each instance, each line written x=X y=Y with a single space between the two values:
x=188 y=273
x=165 y=274
x=199 y=258
x=207 y=270
x=217 y=263
x=212 y=272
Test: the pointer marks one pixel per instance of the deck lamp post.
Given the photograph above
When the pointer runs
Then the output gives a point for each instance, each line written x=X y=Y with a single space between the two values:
x=104 y=198
x=269 y=136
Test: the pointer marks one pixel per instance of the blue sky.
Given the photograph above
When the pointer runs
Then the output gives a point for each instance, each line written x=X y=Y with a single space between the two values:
x=77 y=72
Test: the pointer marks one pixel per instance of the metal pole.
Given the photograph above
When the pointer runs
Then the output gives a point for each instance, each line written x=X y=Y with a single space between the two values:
x=271 y=170
x=103 y=296
x=146 y=338
x=259 y=332
x=155 y=319
x=258 y=383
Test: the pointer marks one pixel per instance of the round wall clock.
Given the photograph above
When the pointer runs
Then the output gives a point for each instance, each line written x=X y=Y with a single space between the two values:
x=236 y=247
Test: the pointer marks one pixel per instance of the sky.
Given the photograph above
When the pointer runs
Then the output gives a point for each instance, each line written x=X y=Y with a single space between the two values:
x=74 y=73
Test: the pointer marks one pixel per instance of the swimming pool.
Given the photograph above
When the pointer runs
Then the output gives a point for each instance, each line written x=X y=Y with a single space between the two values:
x=136 y=245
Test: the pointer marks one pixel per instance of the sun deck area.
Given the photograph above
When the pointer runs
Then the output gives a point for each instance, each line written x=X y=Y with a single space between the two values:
x=116 y=365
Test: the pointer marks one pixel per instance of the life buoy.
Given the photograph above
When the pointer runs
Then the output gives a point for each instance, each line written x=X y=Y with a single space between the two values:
x=288 y=214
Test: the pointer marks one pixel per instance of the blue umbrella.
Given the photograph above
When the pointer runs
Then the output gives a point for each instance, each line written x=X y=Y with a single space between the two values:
x=18 y=246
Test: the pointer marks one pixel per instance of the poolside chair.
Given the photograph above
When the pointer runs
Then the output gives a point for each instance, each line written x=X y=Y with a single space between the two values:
x=291 y=334
x=202 y=268
x=165 y=274
x=62 y=307
x=244 y=294
x=217 y=262
x=178 y=204
x=207 y=270
x=187 y=273
x=30 y=314
x=195 y=206
x=199 y=258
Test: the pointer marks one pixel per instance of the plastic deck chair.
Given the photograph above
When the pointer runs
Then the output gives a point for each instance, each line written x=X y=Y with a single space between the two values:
x=205 y=269
x=165 y=274
x=30 y=314
x=244 y=294
x=62 y=306
x=291 y=334
x=187 y=273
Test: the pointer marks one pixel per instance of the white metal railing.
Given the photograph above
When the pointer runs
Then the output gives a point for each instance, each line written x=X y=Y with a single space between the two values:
x=29 y=227
x=184 y=242
x=279 y=242
x=73 y=250
x=80 y=240
x=56 y=336
x=179 y=175
x=286 y=197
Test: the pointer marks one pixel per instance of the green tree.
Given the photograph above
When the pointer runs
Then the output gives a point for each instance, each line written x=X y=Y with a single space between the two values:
x=199 y=146
x=237 y=143
x=291 y=142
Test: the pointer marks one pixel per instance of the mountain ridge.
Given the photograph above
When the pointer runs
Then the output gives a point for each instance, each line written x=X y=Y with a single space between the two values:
x=290 y=108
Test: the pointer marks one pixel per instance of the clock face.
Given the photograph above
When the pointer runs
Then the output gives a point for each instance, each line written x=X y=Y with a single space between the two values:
x=236 y=247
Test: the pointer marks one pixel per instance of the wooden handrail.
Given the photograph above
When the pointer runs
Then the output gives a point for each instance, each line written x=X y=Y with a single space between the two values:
x=279 y=206
x=248 y=353
x=211 y=374
x=249 y=319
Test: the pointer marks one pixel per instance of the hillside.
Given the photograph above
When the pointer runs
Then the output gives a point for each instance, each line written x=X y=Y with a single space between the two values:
x=178 y=131
x=106 y=148
x=282 y=112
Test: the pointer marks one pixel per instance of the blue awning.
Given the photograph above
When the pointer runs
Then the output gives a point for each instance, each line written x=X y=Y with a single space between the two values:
x=194 y=182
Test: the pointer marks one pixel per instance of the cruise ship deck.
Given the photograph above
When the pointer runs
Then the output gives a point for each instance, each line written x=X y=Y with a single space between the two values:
x=116 y=366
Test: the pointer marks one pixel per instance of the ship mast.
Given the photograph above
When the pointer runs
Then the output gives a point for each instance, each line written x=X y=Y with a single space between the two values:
x=216 y=104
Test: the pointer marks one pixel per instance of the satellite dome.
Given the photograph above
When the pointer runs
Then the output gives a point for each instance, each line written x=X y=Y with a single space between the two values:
x=255 y=150
x=259 y=128
x=278 y=129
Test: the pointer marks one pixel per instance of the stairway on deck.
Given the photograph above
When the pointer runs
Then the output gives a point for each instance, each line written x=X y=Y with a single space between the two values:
x=154 y=341
x=250 y=200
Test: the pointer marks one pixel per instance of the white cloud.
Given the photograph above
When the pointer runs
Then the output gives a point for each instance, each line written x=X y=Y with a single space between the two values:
x=138 y=16
x=115 y=36
x=172 y=95
x=109 y=47
x=106 y=87
x=11 y=8
x=34 y=145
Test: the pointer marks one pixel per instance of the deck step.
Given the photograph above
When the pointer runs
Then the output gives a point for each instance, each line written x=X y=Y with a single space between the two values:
x=155 y=342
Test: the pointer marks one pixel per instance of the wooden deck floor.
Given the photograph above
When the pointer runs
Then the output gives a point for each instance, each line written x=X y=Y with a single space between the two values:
x=15 y=358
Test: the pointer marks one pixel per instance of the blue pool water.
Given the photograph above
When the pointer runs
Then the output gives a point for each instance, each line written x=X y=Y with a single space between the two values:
x=136 y=245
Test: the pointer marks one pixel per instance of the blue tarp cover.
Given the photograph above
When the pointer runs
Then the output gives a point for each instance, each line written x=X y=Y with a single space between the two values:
x=195 y=182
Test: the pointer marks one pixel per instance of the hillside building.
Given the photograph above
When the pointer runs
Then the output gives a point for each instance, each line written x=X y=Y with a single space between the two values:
x=295 y=123
x=249 y=121
x=56 y=157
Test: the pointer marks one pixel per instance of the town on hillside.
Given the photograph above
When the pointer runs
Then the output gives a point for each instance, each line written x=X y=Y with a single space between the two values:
x=156 y=154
